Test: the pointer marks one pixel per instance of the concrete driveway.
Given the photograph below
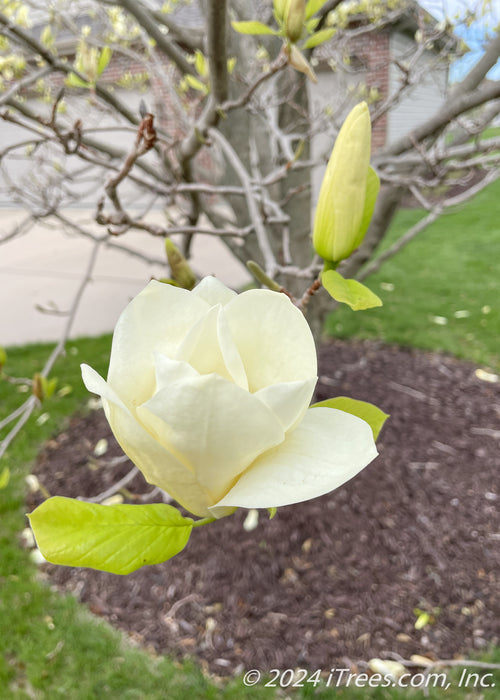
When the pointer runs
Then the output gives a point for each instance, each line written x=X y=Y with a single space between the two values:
x=41 y=271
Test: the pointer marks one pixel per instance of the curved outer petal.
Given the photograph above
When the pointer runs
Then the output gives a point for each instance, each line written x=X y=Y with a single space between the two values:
x=159 y=466
x=288 y=400
x=273 y=338
x=208 y=347
x=214 y=426
x=157 y=320
x=327 y=449
x=213 y=292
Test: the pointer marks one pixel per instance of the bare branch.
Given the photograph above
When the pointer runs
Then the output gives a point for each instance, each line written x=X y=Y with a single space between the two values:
x=482 y=67
x=149 y=23
x=217 y=48
x=239 y=168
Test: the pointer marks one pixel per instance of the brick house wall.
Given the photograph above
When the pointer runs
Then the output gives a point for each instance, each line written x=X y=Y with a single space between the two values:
x=373 y=51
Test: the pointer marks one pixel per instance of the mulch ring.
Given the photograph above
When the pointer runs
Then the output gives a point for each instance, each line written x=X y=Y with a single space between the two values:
x=341 y=578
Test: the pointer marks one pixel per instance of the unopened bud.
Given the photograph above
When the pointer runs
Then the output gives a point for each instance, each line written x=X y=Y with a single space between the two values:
x=280 y=9
x=295 y=18
x=38 y=386
x=179 y=266
x=348 y=191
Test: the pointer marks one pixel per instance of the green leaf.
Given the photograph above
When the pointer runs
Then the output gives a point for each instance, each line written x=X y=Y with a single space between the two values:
x=196 y=84
x=200 y=64
x=373 y=415
x=314 y=6
x=319 y=38
x=4 y=477
x=74 y=81
x=272 y=512
x=253 y=28
x=103 y=60
x=48 y=386
x=118 y=538
x=350 y=292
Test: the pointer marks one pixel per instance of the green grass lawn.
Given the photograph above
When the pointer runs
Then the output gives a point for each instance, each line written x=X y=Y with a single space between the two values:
x=50 y=647
x=442 y=291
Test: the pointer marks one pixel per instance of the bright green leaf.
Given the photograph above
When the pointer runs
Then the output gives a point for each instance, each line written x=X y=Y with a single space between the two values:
x=48 y=386
x=350 y=292
x=253 y=28
x=272 y=512
x=319 y=38
x=4 y=477
x=103 y=60
x=314 y=6
x=373 y=415
x=117 y=538
x=196 y=84
x=74 y=81
x=200 y=64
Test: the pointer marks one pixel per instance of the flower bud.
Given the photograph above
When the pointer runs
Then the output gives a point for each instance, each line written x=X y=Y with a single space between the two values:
x=348 y=191
x=179 y=266
x=280 y=8
x=295 y=14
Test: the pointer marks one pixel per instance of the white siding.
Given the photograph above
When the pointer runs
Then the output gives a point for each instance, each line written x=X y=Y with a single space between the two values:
x=419 y=101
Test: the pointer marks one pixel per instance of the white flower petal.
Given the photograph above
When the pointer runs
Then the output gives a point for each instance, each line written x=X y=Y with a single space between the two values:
x=159 y=466
x=217 y=427
x=273 y=338
x=157 y=320
x=327 y=449
x=169 y=371
x=288 y=401
x=208 y=347
x=213 y=292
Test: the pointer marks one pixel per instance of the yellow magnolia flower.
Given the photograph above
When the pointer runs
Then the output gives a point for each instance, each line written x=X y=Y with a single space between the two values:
x=208 y=393
x=348 y=191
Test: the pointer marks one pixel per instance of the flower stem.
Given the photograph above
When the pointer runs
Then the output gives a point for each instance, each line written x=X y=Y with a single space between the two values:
x=203 y=521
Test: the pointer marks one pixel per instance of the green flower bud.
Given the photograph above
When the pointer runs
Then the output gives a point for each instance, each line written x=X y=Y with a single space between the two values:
x=295 y=15
x=348 y=191
x=182 y=274
x=280 y=9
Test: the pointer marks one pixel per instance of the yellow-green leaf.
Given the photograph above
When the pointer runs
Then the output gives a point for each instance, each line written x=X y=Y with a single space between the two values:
x=74 y=81
x=117 y=538
x=319 y=38
x=314 y=6
x=196 y=84
x=371 y=414
x=253 y=28
x=104 y=59
x=200 y=64
x=350 y=292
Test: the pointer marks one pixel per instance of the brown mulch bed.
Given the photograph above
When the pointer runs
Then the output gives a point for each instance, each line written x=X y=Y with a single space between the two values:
x=337 y=578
